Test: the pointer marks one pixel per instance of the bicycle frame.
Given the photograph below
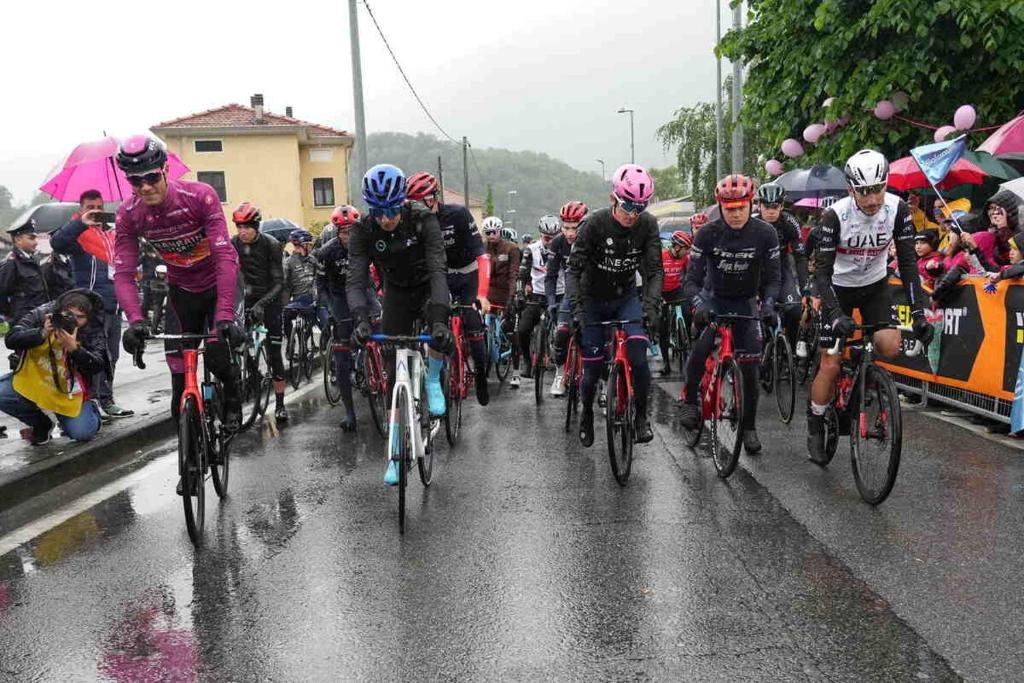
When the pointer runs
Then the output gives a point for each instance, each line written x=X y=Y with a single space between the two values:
x=408 y=374
x=709 y=392
x=619 y=358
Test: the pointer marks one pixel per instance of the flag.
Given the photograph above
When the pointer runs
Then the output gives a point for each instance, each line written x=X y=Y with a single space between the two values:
x=1017 y=411
x=937 y=158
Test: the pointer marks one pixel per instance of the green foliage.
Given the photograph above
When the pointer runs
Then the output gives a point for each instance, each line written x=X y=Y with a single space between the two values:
x=942 y=53
x=10 y=211
x=542 y=184
x=489 y=202
x=667 y=183
x=316 y=227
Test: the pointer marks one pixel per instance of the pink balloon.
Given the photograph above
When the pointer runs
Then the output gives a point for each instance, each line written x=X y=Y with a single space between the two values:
x=965 y=117
x=942 y=133
x=792 y=148
x=885 y=110
x=813 y=132
x=774 y=167
x=831 y=127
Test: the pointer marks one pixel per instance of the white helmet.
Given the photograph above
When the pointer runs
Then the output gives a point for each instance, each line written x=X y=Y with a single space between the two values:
x=491 y=224
x=161 y=269
x=549 y=225
x=866 y=168
x=509 y=234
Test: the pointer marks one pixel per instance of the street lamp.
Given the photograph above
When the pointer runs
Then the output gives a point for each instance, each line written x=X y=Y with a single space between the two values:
x=632 y=150
x=512 y=211
x=601 y=161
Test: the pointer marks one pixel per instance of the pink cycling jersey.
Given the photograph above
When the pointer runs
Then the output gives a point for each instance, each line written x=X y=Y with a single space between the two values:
x=189 y=232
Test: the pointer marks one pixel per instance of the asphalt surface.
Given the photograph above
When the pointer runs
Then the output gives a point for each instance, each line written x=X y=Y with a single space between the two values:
x=525 y=561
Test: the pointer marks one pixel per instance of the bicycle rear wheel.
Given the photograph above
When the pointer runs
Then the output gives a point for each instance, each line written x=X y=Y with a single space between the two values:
x=876 y=438
x=784 y=375
x=765 y=368
x=332 y=383
x=248 y=387
x=404 y=450
x=220 y=446
x=309 y=348
x=294 y=349
x=377 y=390
x=191 y=453
x=504 y=361
x=727 y=418
x=682 y=346
x=266 y=375
x=831 y=425
x=619 y=424
x=453 y=380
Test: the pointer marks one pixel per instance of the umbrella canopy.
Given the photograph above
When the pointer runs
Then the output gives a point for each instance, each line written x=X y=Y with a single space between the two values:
x=905 y=174
x=813 y=182
x=993 y=167
x=712 y=212
x=90 y=166
x=278 y=228
x=48 y=217
x=1015 y=186
x=1007 y=142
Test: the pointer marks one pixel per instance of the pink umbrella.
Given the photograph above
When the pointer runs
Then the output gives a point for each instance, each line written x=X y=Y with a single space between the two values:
x=1007 y=142
x=90 y=166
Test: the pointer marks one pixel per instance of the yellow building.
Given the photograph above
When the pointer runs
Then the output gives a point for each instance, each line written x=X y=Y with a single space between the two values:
x=475 y=205
x=289 y=168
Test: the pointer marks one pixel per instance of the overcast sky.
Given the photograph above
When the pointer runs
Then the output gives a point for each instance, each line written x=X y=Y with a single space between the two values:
x=541 y=75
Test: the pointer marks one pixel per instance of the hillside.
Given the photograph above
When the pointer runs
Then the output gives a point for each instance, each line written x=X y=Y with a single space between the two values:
x=543 y=184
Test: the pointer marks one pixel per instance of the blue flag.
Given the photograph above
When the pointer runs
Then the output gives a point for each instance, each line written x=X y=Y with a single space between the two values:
x=937 y=158
x=1017 y=411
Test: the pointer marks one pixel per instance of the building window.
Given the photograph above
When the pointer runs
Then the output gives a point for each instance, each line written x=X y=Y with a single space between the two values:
x=214 y=179
x=323 y=191
x=209 y=146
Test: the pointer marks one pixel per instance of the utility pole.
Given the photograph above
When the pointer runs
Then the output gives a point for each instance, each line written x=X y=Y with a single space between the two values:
x=737 y=97
x=440 y=175
x=632 y=148
x=601 y=161
x=465 y=169
x=357 y=89
x=719 y=132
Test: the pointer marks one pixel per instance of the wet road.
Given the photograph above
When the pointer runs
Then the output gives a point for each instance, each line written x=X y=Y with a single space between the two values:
x=525 y=560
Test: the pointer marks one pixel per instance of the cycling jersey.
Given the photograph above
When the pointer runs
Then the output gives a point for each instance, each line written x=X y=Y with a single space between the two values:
x=462 y=242
x=299 y=275
x=852 y=249
x=674 y=268
x=554 y=278
x=333 y=258
x=261 y=267
x=189 y=232
x=505 y=258
x=788 y=230
x=738 y=264
x=534 y=268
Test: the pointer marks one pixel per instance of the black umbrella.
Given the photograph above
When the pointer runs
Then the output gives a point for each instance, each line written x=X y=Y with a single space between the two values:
x=48 y=217
x=817 y=181
x=278 y=228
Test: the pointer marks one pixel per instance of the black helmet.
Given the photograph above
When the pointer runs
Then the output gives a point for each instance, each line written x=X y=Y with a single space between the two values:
x=771 y=193
x=141 y=153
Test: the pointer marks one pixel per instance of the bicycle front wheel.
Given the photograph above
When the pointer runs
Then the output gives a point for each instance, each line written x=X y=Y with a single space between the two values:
x=784 y=376
x=540 y=361
x=727 y=417
x=220 y=447
x=248 y=387
x=425 y=462
x=295 y=356
x=572 y=387
x=765 y=369
x=308 y=346
x=266 y=378
x=377 y=390
x=332 y=383
x=504 y=360
x=453 y=379
x=619 y=424
x=876 y=437
x=191 y=454
x=404 y=454
x=682 y=346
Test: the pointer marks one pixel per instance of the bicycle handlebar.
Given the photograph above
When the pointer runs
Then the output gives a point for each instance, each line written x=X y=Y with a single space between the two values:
x=402 y=338
x=190 y=336
x=914 y=350
x=613 y=323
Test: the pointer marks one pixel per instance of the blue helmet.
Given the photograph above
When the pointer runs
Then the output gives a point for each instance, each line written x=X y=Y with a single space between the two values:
x=384 y=187
x=300 y=236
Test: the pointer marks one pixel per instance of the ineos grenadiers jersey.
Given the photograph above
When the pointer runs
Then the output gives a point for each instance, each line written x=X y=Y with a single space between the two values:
x=190 y=233
x=852 y=249
x=735 y=264
x=462 y=242
x=536 y=258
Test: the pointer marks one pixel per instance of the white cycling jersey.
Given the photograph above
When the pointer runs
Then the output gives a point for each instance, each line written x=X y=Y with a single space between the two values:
x=861 y=242
x=539 y=256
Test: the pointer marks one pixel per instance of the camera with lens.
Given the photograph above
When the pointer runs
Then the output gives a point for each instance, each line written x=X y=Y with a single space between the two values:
x=64 y=321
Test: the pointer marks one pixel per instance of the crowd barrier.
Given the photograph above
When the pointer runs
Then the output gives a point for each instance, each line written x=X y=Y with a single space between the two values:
x=974 y=359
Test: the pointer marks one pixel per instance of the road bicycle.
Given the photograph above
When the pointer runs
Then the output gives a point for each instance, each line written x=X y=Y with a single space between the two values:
x=256 y=381
x=459 y=373
x=620 y=417
x=776 y=370
x=499 y=342
x=807 y=339
x=865 y=398
x=679 y=341
x=411 y=429
x=203 y=441
x=329 y=361
x=540 y=353
x=573 y=378
x=721 y=398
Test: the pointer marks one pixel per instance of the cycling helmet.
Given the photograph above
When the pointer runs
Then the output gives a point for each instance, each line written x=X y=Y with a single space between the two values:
x=300 y=236
x=247 y=213
x=526 y=238
x=509 y=234
x=161 y=269
x=344 y=216
x=549 y=225
x=682 y=239
x=633 y=183
x=420 y=186
x=384 y=187
x=573 y=212
x=698 y=221
x=771 y=193
x=866 y=168
x=491 y=224
x=140 y=154
x=734 y=190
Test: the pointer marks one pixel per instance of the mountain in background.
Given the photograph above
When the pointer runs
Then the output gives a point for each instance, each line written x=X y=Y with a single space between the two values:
x=542 y=184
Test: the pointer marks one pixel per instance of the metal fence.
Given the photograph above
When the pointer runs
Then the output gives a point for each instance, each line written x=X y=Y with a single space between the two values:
x=973 y=402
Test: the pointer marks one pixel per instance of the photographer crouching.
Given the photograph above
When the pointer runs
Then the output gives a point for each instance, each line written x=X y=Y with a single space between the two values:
x=60 y=347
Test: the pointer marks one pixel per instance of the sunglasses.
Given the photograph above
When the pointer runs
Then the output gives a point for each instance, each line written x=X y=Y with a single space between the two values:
x=772 y=206
x=386 y=212
x=145 y=179
x=869 y=189
x=631 y=207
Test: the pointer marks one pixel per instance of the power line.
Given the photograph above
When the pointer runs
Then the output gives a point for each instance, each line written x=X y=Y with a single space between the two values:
x=406 y=78
x=472 y=154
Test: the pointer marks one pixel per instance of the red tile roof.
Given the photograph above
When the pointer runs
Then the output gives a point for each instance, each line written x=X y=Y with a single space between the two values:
x=453 y=197
x=238 y=116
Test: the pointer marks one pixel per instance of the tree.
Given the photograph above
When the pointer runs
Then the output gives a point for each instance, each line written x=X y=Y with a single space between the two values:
x=942 y=53
x=489 y=203
x=667 y=183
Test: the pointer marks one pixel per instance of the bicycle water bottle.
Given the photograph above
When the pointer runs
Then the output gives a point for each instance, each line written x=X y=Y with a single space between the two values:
x=801 y=349
x=207 y=391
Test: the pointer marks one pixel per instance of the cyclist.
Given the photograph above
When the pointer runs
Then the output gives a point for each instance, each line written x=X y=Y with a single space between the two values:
x=793 y=261
x=259 y=258
x=526 y=239
x=571 y=215
x=698 y=221
x=532 y=274
x=184 y=222
x=404 y=242
x=613 y=245
x=300 y=269
x=510 y=235
x=850 y=272
x=734 y=258
x=469 y=267
x=505 y=259
x=331 y=280
x=673 y=262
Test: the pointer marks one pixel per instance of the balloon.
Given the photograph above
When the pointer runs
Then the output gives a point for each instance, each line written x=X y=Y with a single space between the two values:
x=942 y=133
x=813 y=132
x=831 y=127
x=774 y=167
x=900 y=100
x=792 y=148
x=885 y=110
x=828 y=102
x=965 y=117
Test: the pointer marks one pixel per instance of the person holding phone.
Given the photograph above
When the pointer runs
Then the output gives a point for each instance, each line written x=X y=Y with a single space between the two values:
x=88 y=239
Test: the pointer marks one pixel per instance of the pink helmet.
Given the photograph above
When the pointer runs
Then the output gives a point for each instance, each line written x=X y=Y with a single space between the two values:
x=633 y=182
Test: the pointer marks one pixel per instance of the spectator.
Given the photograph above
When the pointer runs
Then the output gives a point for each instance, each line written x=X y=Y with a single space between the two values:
x=90 y=246
x=929 y=261
x=999 y=222
x=1015 y=268
x=27 y=279
x=59 y=345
